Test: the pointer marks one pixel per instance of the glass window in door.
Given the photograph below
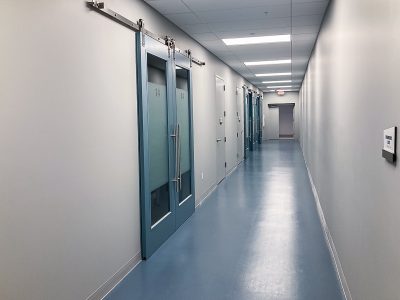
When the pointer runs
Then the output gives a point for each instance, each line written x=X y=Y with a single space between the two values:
x=158 y=138
x=183 y=122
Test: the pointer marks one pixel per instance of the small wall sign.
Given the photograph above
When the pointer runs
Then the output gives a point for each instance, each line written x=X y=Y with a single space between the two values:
x=389 y=144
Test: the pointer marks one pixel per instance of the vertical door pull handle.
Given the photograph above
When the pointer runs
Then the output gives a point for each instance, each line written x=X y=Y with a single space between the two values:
x=174 y=135
x=179 y=157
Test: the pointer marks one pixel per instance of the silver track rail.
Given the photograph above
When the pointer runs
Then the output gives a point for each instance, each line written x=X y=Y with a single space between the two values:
x=139 y=27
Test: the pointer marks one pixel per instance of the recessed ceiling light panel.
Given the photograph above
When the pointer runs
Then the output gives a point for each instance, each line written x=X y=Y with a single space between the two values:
x=258 y=40
x=268 y=62
x=285 y=90
x=278 y=81
x=273 y=74
x=279 y=87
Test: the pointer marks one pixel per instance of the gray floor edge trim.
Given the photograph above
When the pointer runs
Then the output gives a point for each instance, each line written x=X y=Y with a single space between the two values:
x=113 y=282
x=229 y=173
x=332 y=249
x=214 y=186
x=207 y=194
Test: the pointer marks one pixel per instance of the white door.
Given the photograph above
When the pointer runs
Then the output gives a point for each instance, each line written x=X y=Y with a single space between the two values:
x=272 y=123
x=220 y=119
x=240 y=129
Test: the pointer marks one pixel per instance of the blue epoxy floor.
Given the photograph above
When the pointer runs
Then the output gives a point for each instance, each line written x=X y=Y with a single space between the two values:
x=258 y=236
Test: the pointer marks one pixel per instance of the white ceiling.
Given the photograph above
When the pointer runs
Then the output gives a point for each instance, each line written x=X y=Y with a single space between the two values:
x=209 y=21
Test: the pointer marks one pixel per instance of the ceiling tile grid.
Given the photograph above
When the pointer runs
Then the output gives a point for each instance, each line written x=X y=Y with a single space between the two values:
x=210 y=21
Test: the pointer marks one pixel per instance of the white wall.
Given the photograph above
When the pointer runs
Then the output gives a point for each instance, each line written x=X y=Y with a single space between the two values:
x=289 y=97
x=349 y=96
x=69 y=182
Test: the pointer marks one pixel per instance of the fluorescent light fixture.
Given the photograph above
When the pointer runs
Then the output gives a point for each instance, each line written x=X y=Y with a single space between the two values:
x=279 y=87
x=285 y=90
x=279 y=81
x=257 y=40
x=273 y=74
x=268 y=62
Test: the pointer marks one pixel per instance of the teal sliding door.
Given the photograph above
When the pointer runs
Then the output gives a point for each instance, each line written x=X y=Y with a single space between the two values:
x=165 y=133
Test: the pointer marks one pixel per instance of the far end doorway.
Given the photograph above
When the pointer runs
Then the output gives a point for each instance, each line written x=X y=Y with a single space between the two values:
x=286 y=120
x=280 y=121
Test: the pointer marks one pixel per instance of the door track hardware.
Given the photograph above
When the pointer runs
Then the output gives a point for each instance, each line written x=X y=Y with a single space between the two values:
x=137 y=27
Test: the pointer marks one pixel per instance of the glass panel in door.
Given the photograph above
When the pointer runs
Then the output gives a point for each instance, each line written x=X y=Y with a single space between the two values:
x=158 y=138
x=183 y=122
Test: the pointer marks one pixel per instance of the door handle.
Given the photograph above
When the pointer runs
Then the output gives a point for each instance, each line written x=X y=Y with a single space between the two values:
x=174 y=135
x=219 y=140
x=179 y=182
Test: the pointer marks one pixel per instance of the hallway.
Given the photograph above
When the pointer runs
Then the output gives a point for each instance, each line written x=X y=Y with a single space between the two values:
x=258 y=236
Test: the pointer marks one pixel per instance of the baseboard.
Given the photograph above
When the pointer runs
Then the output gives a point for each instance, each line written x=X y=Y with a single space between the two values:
x=111 y=283
x=328 y=238
x=240 y=162
x=214 y=186
x=207 y=194
x=231 y=171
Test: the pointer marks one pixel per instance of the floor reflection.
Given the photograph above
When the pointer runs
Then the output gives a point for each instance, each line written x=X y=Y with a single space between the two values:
x=257 y=236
